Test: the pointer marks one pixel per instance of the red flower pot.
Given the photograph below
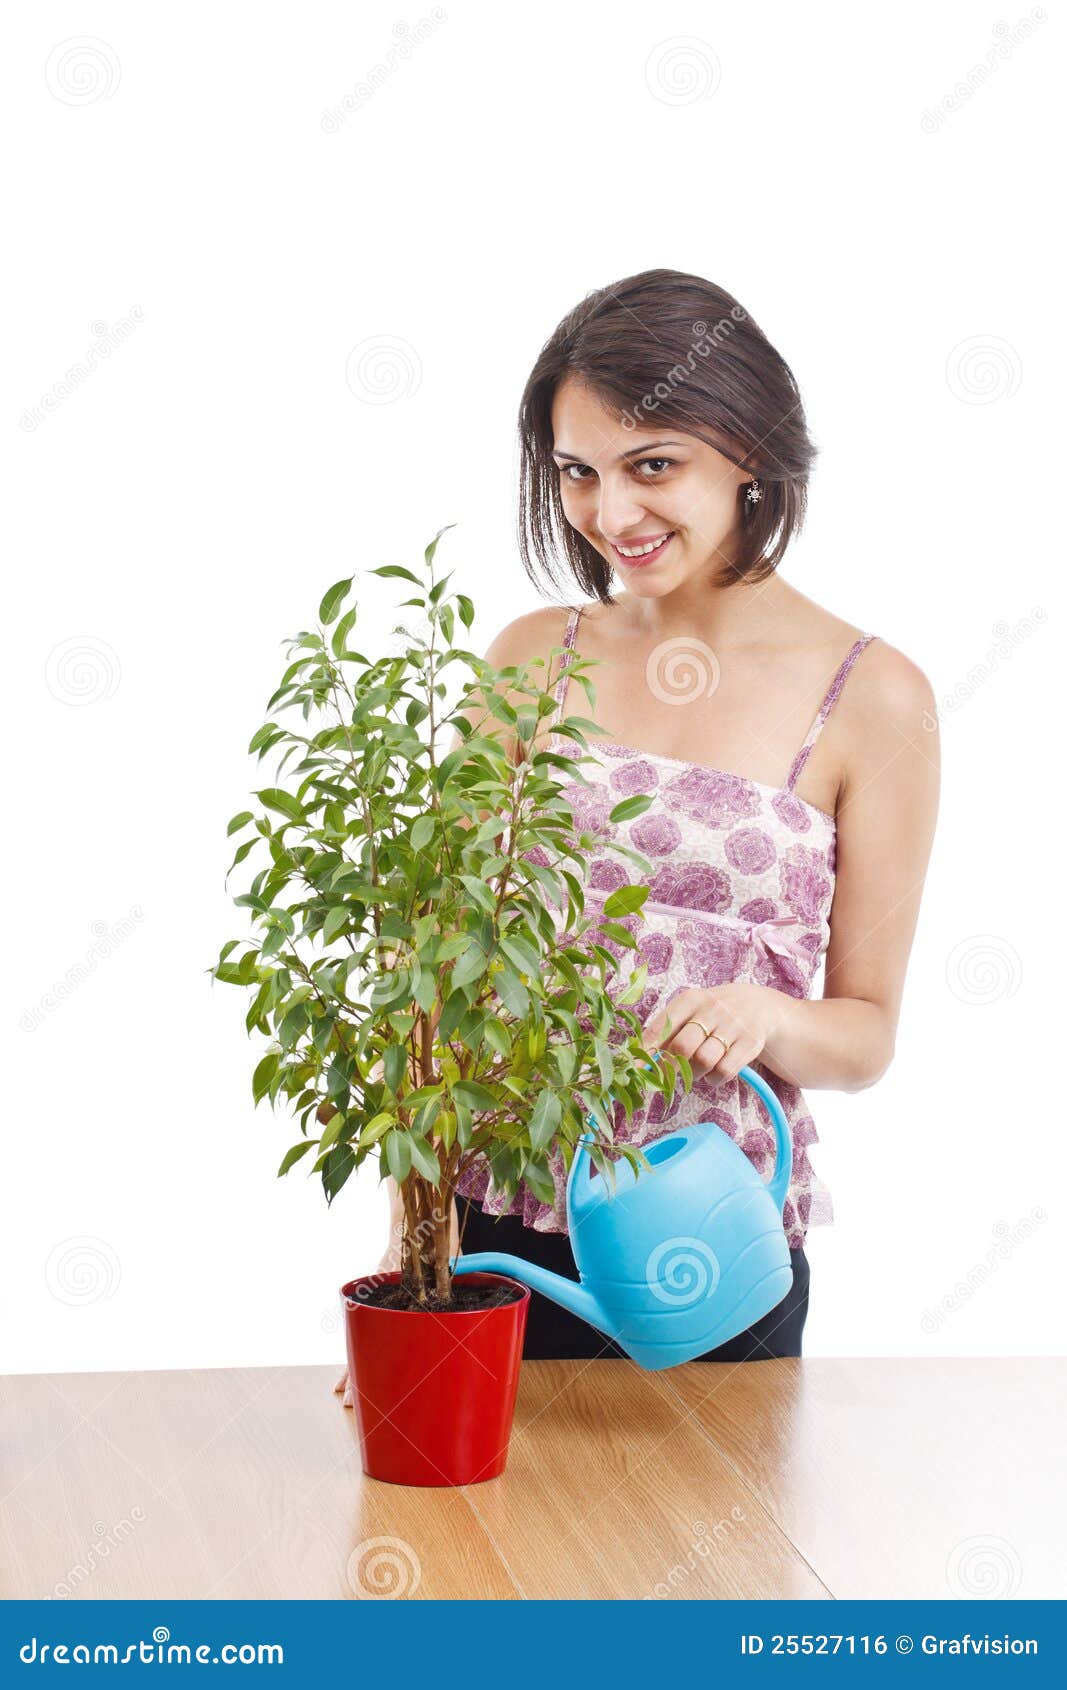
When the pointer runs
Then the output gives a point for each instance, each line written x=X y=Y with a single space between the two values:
x=434 y=1393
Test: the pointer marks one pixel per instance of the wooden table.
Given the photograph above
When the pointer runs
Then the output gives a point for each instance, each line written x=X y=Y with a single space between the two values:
x=791 y=1478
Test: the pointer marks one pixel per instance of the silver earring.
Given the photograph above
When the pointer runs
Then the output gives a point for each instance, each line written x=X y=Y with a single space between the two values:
x=755 y=493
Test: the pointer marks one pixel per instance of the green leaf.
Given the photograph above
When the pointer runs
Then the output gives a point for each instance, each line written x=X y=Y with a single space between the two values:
x=540 y=1183
x=342 y=631
x=522 y=955
x=398 y=1155
x=284 y=802
x=423 y=1158
x=475 y=1096
x=496 y=1037
x=432 y=547
x=337 y=919
x=293 y=1155
x=470 y=966
x=395 y=570
x=625 y=900
x=423 y=832
x=333 y=600
x=545 y=1120
x=264 y=1074
x=630 y=807
x=614 y=930
x=239 y=822
x=376 y=1128
x=394 y=1065
x=455 y=1008
x=479 y=893
x=340 y=1162
x=333 y=1130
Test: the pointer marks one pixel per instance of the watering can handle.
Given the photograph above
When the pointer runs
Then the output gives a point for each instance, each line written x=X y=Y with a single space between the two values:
x=777 y=1185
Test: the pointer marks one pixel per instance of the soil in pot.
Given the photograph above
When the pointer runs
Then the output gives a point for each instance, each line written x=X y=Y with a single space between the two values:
x=465 y=1298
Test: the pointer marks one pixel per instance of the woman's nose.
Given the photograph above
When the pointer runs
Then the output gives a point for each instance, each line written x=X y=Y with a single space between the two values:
x=620 y=511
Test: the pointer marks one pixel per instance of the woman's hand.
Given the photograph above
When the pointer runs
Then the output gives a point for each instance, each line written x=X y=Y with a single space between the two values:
x=746 y=1015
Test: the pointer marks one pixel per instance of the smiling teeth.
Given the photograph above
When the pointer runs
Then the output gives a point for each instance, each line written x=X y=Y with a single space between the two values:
x=641 y=551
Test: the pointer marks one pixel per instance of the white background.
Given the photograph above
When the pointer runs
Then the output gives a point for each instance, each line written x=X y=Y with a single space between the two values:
x=179 y=511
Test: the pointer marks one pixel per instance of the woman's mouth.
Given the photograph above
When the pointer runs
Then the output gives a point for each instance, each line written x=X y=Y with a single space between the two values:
x=640 y=552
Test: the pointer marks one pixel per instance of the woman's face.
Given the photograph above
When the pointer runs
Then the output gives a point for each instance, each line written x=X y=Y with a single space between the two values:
x=625 y=488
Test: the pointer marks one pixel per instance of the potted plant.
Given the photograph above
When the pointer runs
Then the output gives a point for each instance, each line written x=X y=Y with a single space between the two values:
x=432 y=991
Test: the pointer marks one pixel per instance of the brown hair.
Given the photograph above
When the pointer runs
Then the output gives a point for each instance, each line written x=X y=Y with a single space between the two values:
x=675 y=348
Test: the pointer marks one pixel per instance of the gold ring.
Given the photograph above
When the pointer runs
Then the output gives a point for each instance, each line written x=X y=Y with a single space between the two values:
x=712 y=1035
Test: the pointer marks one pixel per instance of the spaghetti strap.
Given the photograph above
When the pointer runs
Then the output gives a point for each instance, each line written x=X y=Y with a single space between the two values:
x=565 y=661
x=825 y=708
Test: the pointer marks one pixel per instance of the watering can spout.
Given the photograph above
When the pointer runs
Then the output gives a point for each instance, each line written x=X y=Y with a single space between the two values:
x=576 y=1299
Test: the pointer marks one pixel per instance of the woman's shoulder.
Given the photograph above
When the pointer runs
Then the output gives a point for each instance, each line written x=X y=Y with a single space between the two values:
x=881 y=677
x=533 y=634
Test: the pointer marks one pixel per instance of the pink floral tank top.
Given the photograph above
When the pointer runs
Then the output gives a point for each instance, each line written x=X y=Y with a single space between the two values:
x=741 y=888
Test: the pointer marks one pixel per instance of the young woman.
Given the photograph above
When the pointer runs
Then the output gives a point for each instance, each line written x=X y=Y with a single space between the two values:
x=792 y=757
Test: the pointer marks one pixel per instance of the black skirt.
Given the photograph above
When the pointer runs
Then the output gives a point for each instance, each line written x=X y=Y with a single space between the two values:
x=554 y=1334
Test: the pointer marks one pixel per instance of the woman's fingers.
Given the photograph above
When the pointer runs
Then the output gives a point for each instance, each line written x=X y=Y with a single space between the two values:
x=343 y=1384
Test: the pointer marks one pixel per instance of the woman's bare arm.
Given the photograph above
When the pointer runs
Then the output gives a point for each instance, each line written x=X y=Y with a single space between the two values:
x=886 y=816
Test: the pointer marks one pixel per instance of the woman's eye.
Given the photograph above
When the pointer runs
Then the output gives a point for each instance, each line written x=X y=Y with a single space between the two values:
x=663 y=463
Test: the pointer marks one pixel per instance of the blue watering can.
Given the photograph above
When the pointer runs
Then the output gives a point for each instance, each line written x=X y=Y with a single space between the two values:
x=680 y=1257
